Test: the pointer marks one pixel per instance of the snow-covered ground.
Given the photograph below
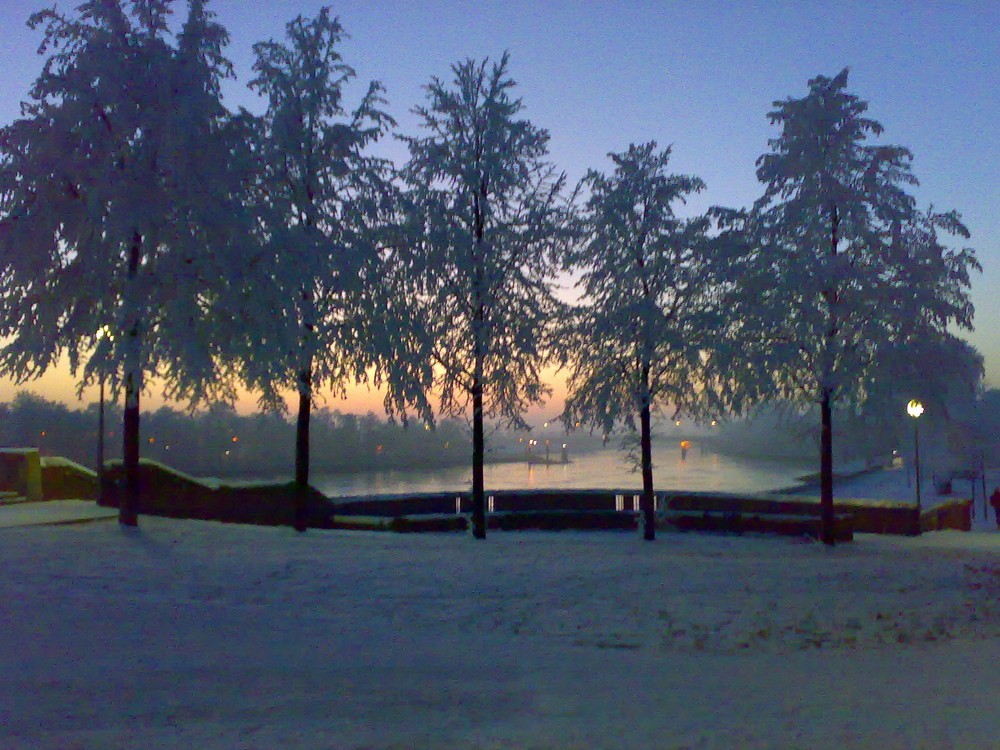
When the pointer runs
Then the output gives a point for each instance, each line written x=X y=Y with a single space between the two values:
x=53 y=512
x=190 y=634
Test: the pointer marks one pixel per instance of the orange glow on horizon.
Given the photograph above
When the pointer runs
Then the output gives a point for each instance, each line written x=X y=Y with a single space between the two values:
x=58 y=385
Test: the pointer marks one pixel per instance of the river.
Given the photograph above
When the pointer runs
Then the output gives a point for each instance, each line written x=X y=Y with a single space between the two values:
x=600 y=469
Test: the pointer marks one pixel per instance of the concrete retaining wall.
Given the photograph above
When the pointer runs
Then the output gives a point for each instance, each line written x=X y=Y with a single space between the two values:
x=166 y=492
x=20 y=472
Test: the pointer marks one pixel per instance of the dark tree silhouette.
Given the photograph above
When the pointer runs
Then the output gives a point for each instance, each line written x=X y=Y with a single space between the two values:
x=845 y=268
x=114 y=204
x=650 y=309
x=489 y=222
x=325 y=311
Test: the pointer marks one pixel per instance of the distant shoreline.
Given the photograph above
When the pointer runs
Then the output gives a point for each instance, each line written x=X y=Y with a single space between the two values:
x=320 y=470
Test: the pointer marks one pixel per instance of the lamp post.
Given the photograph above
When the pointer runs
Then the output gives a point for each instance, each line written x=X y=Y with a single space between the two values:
x=100 y=430
x=915 y=409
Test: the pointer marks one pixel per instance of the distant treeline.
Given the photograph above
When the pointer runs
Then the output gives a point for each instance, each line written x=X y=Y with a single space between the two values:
x=221 y=442
x=202 y=443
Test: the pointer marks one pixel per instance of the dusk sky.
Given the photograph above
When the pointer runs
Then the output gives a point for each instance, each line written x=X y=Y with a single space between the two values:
x=700 y=76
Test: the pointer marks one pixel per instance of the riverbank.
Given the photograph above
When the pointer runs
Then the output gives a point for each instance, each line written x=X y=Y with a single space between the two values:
x=898 y=485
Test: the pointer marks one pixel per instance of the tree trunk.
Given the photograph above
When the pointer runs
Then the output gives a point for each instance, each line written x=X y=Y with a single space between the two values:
x=645 y=446
x=478 y=439
x=478 y=353
x=128 y=502
x=826 y=436
x=826 y=470
x=302 y=451
x=478 y=452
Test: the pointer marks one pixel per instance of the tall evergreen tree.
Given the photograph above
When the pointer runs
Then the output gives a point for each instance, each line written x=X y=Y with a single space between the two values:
x=845 y=267
x=650 y=310
x=113 y=205
x=490 y=222
x=325 y=279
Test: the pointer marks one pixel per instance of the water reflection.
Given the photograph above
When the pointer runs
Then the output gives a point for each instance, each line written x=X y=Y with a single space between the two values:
x=602 y=469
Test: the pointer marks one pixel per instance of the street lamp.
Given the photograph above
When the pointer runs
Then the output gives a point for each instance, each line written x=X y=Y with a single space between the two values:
x=915 y=409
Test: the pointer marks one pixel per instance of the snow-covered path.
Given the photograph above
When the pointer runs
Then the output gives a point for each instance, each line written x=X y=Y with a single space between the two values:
x=48 y=512
x=199 y=635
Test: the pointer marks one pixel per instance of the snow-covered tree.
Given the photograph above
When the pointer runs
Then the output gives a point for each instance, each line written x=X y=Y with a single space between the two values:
x=114 y=205
x=940 y=370
x=649 y=312
x=327 y=307
x=845 y=269
x=490 y=221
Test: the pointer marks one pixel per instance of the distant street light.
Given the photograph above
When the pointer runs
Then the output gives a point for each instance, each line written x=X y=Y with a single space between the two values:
x=915 y=409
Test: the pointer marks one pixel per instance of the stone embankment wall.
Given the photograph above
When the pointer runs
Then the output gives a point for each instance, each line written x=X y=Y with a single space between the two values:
x=167 y=492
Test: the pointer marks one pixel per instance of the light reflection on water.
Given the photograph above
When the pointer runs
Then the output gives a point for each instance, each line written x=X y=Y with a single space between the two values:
x=602 y=469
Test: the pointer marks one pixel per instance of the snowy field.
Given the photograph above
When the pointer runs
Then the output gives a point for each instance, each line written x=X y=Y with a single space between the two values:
x=190 y=634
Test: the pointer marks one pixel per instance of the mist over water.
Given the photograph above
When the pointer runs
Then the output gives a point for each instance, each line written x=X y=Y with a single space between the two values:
x=600 y=469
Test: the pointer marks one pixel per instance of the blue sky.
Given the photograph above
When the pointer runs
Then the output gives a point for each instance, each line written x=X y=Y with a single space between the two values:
x=700 y=76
